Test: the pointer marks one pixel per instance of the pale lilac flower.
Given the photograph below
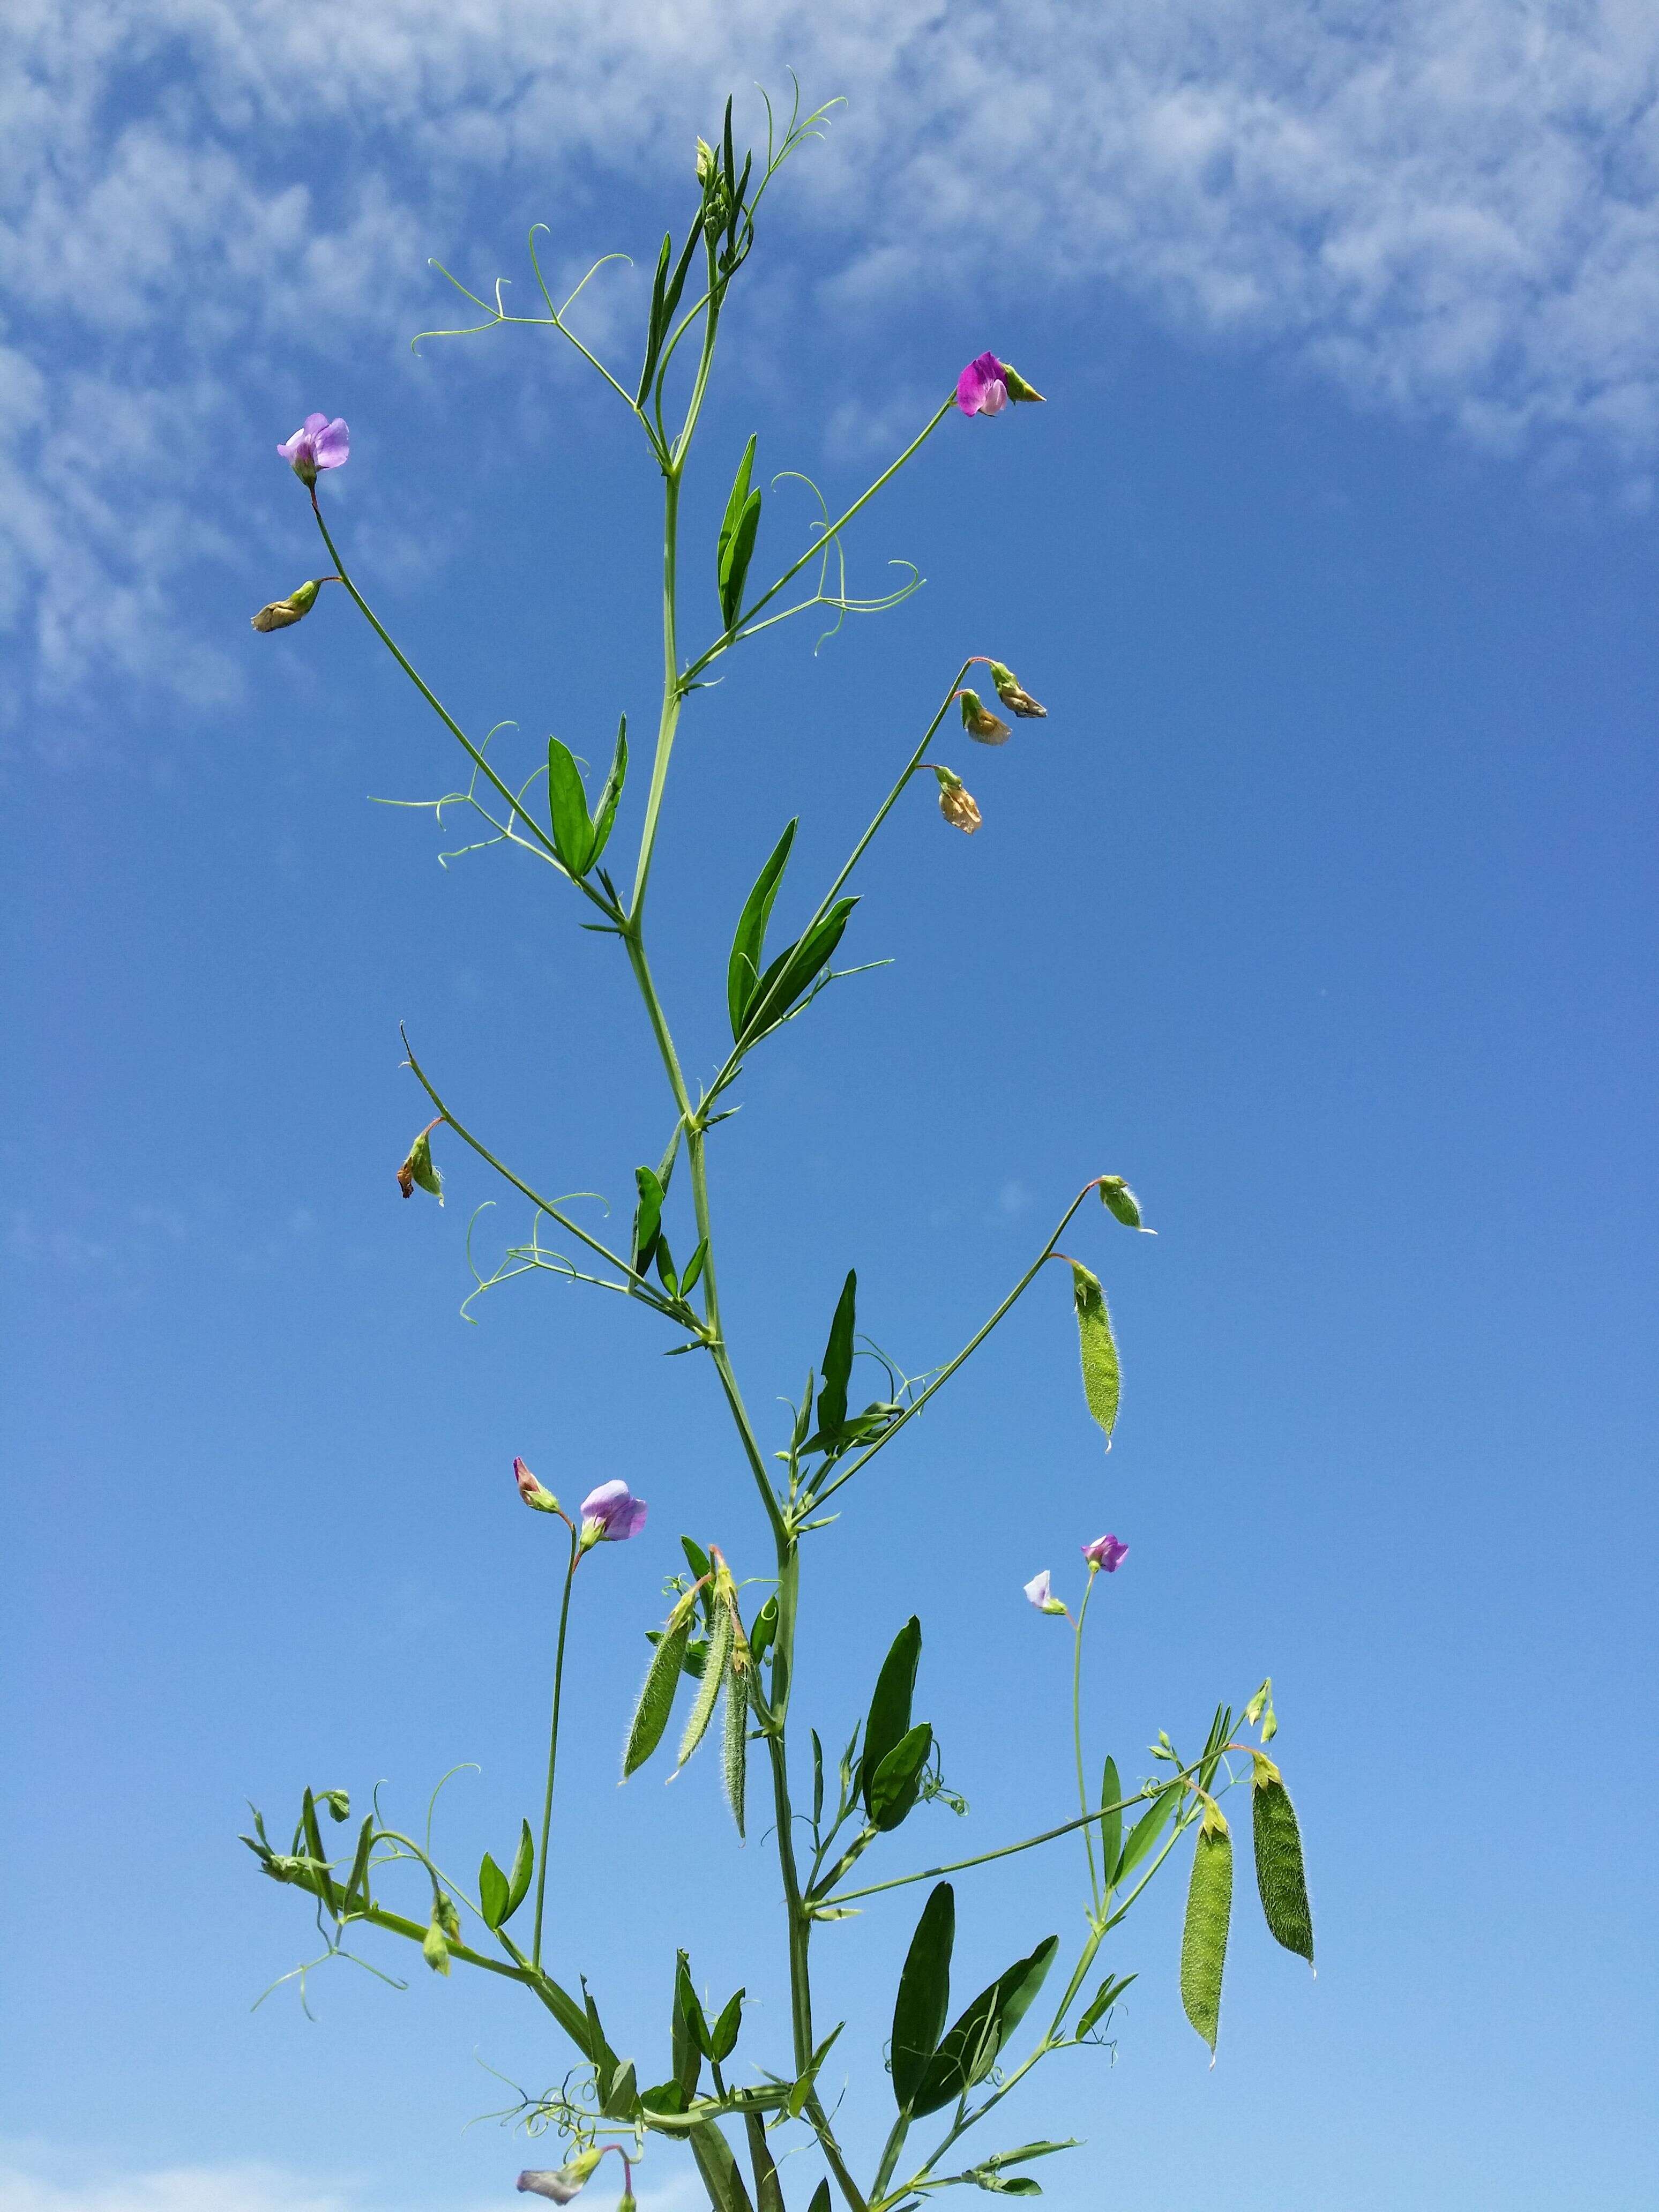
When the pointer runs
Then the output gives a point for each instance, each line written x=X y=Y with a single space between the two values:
x=981 y=389
x=562 y=2183
x=612 y=1514
x=317 y=444
x=1039 y=1591
x=1106 y=1551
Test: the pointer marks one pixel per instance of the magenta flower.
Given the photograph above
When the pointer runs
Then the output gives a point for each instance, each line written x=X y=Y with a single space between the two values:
x=1040 y=1591
x=1106 y=1551
x=981 y=389
x=317 y=444
x=612 y=1514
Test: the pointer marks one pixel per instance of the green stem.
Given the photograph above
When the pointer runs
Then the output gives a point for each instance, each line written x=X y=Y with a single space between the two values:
x=967 y=1352
x=553 y=1744
x=1077 y=1731
x=813 y=550
x=1003 y=1851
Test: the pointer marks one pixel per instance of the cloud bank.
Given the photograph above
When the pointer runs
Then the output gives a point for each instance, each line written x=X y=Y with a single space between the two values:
x=1450 y=208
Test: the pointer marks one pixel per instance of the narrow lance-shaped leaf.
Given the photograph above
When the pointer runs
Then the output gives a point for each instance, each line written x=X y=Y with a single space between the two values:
x=723 y=2036
x=897 y=1782
x=794 y=971
x=656 y=1698
x=572 y=830
x=1102 y=1380
x=647 y=1217
x=923 y=2004
x=523 y=1865
x=734 y=562
x=1111 y=1825
x=1144 y=1836
x=356 y=1889
x=889 y=1706
x=737 y=502
x=838 y=1365
x=694 y=1268
x=1204 y=1938
x=743 y=970
x=1280 y=1877
x=689 y=2031
x=493 y=1892
x=1102 y=2003
x=604 y=814
x=970 y=2050
x=714 y=1675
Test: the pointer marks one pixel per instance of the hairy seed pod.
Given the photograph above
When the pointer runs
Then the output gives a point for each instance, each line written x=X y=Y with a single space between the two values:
x=662 y=1677
x=1278 y=1872
x=713 y=1673
x=1204 y=1938
x=1103 y=1380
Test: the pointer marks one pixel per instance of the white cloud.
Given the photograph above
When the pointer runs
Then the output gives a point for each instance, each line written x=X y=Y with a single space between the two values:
x=1448 y=207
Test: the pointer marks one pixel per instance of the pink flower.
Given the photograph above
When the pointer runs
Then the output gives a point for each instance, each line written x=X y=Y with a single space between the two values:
x=532 y=1492
x=981 y=389
x=317 y=444
x=612 y=1514
x=1106 y=1551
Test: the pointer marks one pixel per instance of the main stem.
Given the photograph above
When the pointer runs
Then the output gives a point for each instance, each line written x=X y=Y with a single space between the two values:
x=553 y=1746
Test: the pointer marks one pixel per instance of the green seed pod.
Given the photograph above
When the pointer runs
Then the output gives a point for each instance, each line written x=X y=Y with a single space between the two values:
x=735 y=1746
x=434 y=1950
x=713 y=1673
x=1204 y=1938
x=1121 y=1203
x=1278 y=1872
x=1102 y=1380
x=662 y=1676
x=418 y=1167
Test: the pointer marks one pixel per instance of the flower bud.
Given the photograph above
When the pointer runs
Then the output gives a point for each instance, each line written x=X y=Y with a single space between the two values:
x=956 y=802
x=434 y=1950
x=542 y=1501
x=297 y=605
x=418 y=1167
x=1012 y=695
x=705 y=170
x=1018 y=388
x=985 y=728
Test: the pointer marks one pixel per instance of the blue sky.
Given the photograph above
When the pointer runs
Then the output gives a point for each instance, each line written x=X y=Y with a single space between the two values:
x=1322 y=907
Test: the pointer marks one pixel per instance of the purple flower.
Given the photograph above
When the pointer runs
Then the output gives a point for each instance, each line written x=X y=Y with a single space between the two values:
x=612 y=1514
x=1042 y=1595
x=562 y=2183
x=317 y=444
x=981 y=389
x=1106 y=1551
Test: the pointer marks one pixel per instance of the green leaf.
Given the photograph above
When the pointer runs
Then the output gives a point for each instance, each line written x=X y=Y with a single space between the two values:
x=698 y=1560
x=656 y=1700
x=721 y=2177
x=890 y=1707
x=817 y=1778
x=1102 y=2003
x=653 y=328
x=1017 y=2184
x=603 y=2058
x=795 y=2104
x=713 y=1673
x=838 y=1365
x=1145 y=1833
x=694 y=1268
x=897 y=1782
x=524 y=1864
x=356 y=1888
x=493 y=1892
x=688 y=2030
x=924 y=1993
x=622 y=2097
x=723 y=2036
x=726 y=552
x=820 y=2198
x=1204 y=1938
x=794 y=971
x=743 y=970
x=647 y=1218
x=1102 y=1382
x=573 y=831
x=735 y=559
x=970 y=2050
x=604 y=815
x=735 y=1750
x=763 y=1632
x=670 y=1281
x=1111 y=1826
x=1280 y=1877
